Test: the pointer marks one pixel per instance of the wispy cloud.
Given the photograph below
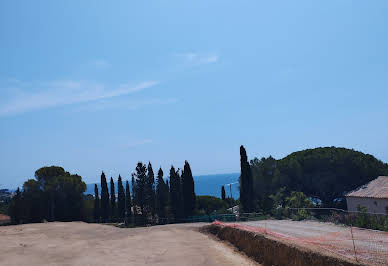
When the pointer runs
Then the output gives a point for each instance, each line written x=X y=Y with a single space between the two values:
x=198 y=58
x=61 y=93
x=125 y=104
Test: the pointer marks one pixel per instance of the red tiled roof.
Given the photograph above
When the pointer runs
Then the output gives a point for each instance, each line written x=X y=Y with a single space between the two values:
x=4 y=218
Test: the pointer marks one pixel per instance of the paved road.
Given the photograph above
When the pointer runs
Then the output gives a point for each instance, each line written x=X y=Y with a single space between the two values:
x=79 y=243
x=371 y=245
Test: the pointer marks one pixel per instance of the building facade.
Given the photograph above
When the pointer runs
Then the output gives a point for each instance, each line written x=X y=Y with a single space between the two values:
x=373 y=196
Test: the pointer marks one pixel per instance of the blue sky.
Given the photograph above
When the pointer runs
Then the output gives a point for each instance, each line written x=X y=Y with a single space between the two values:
x=97 y=85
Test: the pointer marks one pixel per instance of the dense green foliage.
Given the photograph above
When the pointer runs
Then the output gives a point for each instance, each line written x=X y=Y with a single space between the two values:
x=246 y=183
x=297 y=200
x=16 y=208
x=88 y=208
x=323 y=174
x=53 y=195
x=4 y=207
x=56 y=195
x=209 y=204
x=365 y=220
x=5 y=201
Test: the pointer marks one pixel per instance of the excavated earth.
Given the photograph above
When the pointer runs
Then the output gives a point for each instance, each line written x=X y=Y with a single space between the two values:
x=77 y=243
x=269 y=250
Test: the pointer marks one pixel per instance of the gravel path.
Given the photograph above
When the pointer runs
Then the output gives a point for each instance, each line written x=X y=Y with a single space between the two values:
x=78 y=243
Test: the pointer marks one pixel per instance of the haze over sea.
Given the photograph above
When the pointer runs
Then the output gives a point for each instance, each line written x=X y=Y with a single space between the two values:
x=204 y=185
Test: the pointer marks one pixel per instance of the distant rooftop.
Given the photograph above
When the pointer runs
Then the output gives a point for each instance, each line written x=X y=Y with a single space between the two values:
x=377 y=188
x=4 y=218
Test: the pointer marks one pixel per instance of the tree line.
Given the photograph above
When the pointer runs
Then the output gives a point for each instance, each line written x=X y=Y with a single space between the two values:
x=54 y=195
x=322 y=176
x=151 y=200
x=57 y=195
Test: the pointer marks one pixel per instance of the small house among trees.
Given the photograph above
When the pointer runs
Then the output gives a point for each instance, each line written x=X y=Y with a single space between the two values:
x=372 y=196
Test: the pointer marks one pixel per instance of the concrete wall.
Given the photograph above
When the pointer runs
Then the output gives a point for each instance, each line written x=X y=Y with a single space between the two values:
x=373 y=205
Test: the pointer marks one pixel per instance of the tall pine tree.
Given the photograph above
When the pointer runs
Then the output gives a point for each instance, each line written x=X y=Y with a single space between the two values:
x=104 y=211
x=112 y=200
x=188 y=193
x=246 y=183
x=120 y=199
x=96 y=204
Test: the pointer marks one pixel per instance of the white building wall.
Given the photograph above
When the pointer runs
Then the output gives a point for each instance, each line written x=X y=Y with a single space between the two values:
x=372 y=204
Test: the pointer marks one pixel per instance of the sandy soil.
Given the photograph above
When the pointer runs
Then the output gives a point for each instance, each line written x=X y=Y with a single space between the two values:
x=78 y=243
x=370 y=245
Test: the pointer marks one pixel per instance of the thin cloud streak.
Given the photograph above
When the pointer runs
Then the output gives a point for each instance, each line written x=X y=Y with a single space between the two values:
x=125 y=105
x=199 y=59
x=65 y=93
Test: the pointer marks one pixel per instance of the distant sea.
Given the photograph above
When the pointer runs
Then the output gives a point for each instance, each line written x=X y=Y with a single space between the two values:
x=203 y=185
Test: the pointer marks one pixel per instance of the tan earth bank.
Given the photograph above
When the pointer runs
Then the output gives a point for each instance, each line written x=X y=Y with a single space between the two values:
x=77 y=243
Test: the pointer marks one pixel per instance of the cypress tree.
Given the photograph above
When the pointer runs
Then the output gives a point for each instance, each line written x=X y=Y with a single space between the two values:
x=112 y=199
x=149 y=191
x=104 y=211
x=223 y=193
x=128 y=203
x=140 y=179
x=134 y=201
x=175 y=194
x=120 y=199
x=246 y=183
x=188 y=193
x=96 y=204
x=161 y=196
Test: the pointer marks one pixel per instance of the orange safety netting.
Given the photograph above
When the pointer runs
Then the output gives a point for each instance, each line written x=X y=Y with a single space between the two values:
x=369 y=246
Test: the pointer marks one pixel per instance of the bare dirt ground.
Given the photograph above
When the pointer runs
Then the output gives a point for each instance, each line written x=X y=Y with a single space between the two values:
x=78 y=243
x=371 y=246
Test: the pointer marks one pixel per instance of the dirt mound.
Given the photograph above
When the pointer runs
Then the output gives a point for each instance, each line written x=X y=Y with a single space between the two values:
x=270 y=251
